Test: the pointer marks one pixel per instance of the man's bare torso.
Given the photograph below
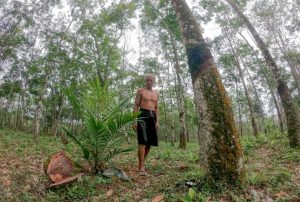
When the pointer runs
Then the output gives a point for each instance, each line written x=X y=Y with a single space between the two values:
x=148 y=98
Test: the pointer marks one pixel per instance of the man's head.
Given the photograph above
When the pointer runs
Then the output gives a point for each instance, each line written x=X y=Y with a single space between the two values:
x=149 y=80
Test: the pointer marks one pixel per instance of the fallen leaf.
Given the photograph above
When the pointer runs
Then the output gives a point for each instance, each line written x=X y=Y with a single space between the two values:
x=109 y=193
x=281 y=194
x=6 y=182
x=182 y=166
x=158 y=198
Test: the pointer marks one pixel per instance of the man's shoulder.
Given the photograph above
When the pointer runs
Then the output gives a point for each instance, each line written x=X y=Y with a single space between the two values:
x=140 y=90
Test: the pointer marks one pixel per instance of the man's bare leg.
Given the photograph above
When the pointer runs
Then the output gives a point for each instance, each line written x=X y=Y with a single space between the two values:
x=147 y=149
x=141 y=155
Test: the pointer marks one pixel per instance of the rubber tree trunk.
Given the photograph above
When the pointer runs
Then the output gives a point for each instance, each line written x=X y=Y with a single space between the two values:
x=57 y=115
x=23 y=110
x=37 y=119
x=38 y=111
x=220 y=148
x=180 y=95
x=269 y=83
x=247 y=94
x=172 y=130
x=239 y=109
x=284 y=50
x=291 y=110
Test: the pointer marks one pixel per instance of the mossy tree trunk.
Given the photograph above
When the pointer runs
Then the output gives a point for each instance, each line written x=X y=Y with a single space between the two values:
x=220 y=148
x=291 y=110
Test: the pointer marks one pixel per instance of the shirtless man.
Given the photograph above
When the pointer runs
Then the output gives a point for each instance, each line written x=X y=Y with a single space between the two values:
x=146 y=101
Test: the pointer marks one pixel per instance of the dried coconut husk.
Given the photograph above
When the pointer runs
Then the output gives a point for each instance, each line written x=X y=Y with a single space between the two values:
x=58 y=167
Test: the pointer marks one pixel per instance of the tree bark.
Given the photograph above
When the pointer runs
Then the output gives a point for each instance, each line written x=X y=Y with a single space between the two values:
x=220 y=148
x=291 y=110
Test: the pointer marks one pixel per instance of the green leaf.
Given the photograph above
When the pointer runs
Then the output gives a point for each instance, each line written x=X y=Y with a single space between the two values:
x=116 y=152
x=73 y=135
x=192 y=193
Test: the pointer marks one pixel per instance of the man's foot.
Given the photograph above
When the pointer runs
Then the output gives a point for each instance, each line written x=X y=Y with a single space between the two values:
x=142 y=173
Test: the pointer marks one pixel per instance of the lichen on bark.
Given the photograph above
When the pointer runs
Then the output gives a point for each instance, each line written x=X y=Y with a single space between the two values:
x=221 y=144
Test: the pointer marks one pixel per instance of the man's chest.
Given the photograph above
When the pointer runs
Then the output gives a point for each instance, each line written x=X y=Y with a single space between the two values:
x=149 y=96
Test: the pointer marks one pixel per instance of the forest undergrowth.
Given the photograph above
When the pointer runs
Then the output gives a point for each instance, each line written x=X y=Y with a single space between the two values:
x=272 y=170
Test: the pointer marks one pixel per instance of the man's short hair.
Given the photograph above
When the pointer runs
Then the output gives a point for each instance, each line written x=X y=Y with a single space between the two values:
x=149 y=75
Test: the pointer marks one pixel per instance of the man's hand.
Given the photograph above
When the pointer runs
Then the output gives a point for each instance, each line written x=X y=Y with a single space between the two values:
x=156 y=125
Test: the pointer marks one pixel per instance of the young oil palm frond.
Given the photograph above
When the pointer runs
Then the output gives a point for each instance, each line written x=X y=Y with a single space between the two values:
x=103 y=121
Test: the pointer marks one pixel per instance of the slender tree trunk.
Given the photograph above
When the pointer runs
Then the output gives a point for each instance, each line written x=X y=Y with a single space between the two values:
x=180 y=101
x=22 y=112
x=268 y=80
x=253 y=86
x=257 y=99
x=37 y=118
x=172 y=131
x=241 y=75
x=239 y=108
x=284 y=51
x=140 y=49
x=292 y=112
x=260 y=111
x=57 y=116
x=187 y=128
x=6 y=119
x=18 y=115
x=38 y=111
x=160 y=83
x=165 y=111
x=222 y=157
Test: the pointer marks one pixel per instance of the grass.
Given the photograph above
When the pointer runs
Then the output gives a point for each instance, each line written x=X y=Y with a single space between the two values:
x=272 y=172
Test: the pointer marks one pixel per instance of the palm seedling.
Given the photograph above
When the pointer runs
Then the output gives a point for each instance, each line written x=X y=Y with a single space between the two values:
x=103 y=124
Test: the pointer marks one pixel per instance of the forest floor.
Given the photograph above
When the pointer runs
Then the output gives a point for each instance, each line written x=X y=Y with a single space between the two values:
x=273 y=173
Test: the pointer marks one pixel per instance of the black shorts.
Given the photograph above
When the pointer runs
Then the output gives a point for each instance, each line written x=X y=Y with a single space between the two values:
x=146 y=129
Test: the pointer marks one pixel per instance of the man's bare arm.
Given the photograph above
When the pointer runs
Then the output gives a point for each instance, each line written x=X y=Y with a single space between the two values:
x=136 y=106
x=156 y=109
x=137 y=100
